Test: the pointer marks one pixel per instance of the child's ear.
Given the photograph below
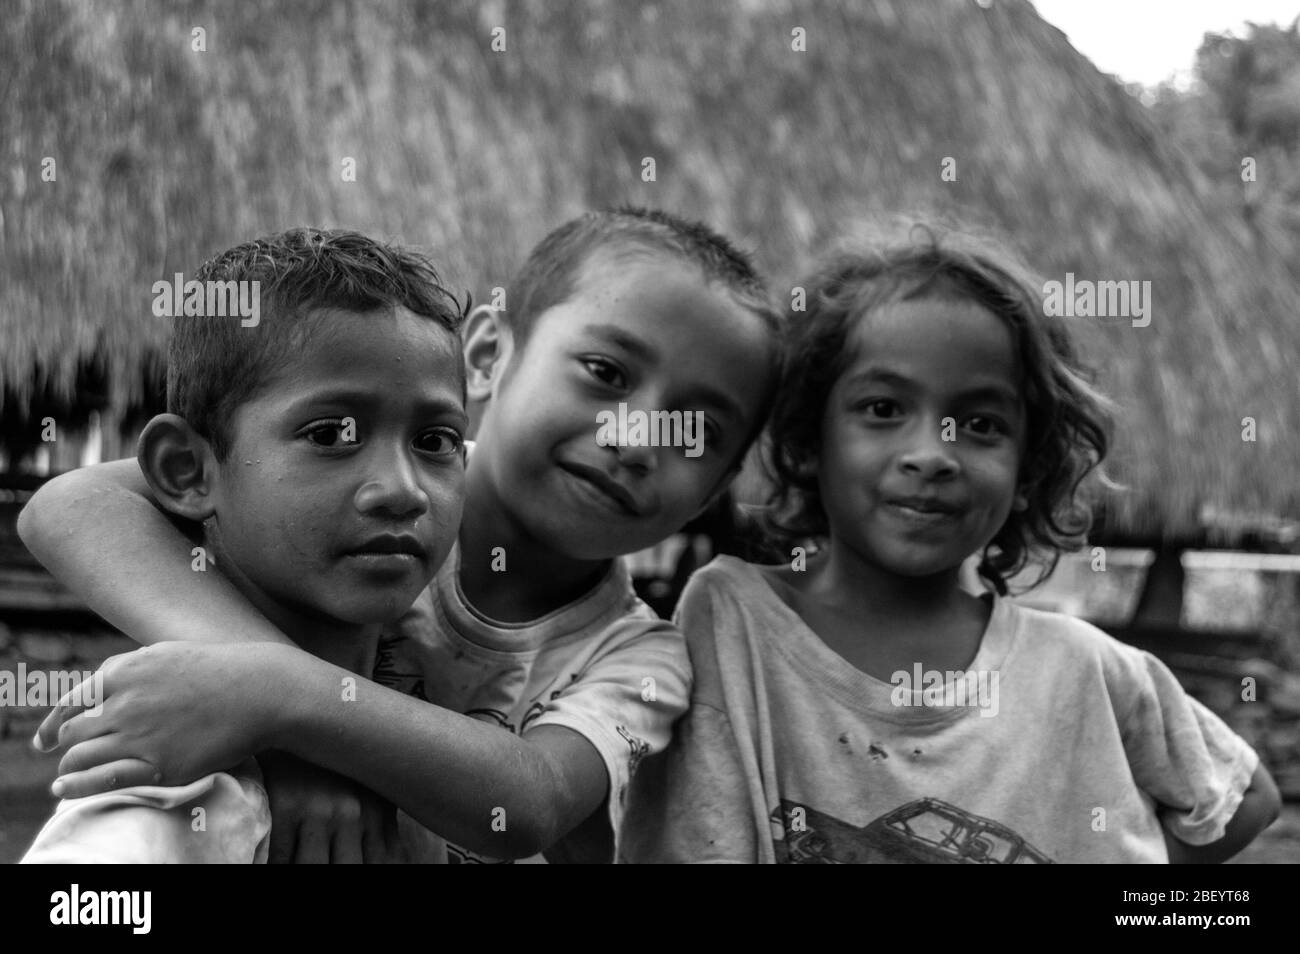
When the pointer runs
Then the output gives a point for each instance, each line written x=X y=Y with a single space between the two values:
x=1020 y=502
x=179 y=466
x=488 y=344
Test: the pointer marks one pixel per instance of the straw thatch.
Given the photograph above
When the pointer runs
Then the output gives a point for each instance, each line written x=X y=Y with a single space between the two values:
x=166 y=155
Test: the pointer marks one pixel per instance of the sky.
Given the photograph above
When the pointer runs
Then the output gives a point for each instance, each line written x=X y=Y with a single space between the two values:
x=1148 y=41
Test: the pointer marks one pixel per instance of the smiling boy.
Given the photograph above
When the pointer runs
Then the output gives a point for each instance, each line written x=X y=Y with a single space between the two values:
x=532 y=624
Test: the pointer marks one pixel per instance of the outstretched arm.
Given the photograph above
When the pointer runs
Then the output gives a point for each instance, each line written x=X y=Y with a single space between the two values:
x=100 y=533
x=486 y=789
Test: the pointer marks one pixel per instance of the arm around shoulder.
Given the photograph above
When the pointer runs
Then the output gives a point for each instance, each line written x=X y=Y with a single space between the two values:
x=68 y=507
x=99 y=531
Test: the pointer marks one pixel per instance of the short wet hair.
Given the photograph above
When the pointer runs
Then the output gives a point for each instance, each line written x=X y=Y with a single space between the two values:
x=215 y=364
x=553 y=269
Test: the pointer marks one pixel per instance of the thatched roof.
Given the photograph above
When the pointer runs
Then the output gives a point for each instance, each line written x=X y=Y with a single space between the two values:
x=166 y=155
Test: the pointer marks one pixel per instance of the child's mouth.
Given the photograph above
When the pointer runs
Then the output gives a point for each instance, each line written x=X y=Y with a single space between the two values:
x=386 y=569
x=393 y=553
x=603 y=488
x=922 y=512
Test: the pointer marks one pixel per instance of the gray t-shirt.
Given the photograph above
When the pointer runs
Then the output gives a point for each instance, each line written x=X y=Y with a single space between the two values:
x=1059 y=744
x=604 y=666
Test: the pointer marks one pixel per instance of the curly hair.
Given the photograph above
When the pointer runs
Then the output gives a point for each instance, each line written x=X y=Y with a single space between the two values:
x=1068 y=419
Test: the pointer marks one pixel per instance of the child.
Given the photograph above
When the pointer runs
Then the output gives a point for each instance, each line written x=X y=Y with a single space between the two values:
x=322 y=452
x=857 y=705
x=532 y=625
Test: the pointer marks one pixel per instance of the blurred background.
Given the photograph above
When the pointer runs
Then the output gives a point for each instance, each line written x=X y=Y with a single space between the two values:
x=139 y=138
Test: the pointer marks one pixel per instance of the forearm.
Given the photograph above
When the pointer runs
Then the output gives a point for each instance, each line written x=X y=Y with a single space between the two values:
x=480 y=787
x=98 y=532
x=1258 y=809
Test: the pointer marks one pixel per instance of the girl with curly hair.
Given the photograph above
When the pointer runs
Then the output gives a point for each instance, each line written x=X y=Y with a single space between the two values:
x=857 y=703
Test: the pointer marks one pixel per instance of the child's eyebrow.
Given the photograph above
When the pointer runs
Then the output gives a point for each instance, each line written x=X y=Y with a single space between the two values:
x=998 y=393
x=717 y=400
x=625 y=340
x=365 y=398
x=880 y=375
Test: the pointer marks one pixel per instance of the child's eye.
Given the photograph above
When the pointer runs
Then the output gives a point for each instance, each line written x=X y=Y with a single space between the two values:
x=440 y=442
x=986 y=426
x=879 y=408
x=332 y=433
x=606 y=372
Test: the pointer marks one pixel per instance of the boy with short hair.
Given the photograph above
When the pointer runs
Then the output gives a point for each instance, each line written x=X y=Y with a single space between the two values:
x=532 y=624
x=322 y=452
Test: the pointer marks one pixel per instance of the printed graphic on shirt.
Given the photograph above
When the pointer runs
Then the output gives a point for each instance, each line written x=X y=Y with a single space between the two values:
x=926 y=831
x=389 y=671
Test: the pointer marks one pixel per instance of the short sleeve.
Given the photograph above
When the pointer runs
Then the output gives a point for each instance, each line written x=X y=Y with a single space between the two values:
x=1185 y=757
x=625 y=703
x=693 y=804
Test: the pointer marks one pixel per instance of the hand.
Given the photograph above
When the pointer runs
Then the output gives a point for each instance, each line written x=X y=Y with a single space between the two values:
x=166 y=714
x=318 y=817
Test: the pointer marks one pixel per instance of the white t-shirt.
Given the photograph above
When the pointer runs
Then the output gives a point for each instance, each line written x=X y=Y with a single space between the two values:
x=222 y=818
x=1078 y=752
x=604 y=666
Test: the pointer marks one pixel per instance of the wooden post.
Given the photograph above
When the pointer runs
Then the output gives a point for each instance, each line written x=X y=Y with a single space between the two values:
x=1161 y=602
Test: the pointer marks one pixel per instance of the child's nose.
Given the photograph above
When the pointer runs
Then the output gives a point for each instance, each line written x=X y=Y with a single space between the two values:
x=393 y=488
x=928 y=455
x=642 y=458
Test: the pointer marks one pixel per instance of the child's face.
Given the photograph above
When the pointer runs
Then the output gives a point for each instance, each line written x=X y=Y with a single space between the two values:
x=647 y=331
x=342 y=492
x=896 y=492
